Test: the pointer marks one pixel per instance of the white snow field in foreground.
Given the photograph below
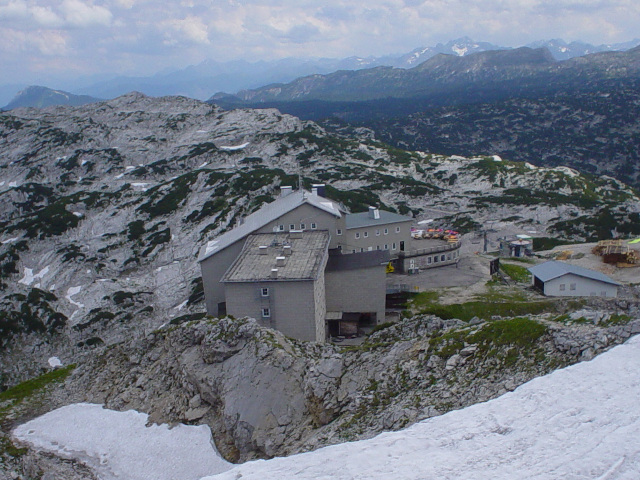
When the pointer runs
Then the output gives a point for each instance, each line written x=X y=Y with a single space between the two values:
x=582 y=422
x=118 y=445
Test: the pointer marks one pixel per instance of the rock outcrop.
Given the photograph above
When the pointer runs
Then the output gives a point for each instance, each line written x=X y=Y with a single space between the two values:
x=267 y=395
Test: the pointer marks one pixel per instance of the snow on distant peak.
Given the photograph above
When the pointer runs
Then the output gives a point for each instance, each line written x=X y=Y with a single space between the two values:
x=460 y=51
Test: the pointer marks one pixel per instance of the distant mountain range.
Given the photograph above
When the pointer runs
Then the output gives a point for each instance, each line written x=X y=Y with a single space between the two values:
x=443 y=80
x=521 y=104
x=40 y=97
x=205 y=79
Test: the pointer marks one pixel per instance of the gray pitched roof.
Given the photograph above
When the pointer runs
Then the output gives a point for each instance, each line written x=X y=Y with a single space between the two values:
x=265 y=215
x=306 y=262
x=358 y=220
x=553 y=269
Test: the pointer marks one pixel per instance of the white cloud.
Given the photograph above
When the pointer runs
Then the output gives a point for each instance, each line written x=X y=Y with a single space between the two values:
x=80 y=14
x=46 y=17
x=190 y=29
x=43 y=42
x=14 y=10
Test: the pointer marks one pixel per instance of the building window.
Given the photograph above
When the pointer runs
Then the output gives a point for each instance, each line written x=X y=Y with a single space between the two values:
x=313 y=226
x=302 y=226
x=562 y=287
x=386 y=246
x=603 y=293
x=449 y=256
x=266 y=312
x=393 y=246
x=339 y=231
x=429 y=260
x=361 y=249
x=281 y=228
x=357 y=234
x=377 y=233
x=292 y=227
x=572 y=286
x=264 y=292
x=442 y=257
x=377 y=247
x=386 y=231
x=366 y=234
x=397 y=229
x=353 y=251
x=436 y=259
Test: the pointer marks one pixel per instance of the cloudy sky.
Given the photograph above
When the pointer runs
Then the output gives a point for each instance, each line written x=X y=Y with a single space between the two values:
x=41 y=40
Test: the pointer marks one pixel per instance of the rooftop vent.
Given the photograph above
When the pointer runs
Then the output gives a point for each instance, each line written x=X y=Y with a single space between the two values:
x=285 y=190
x=262 y=249
x=374 y=213
x=274 y=273
x=319 y=189
x=295 y=234
x=286 y=250
x=280 y=261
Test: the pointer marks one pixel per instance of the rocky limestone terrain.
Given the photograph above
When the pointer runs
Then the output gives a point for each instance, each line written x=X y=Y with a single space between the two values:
x=105 y=206
x=265 y=395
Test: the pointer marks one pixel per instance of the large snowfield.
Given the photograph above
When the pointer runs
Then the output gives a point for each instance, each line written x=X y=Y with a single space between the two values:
x=582 y=422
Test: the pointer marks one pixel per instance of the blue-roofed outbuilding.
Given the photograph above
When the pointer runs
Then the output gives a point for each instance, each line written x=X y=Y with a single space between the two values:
x=555 y=278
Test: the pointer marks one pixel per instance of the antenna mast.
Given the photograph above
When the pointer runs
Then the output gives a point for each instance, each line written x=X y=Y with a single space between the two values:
x=300 y=187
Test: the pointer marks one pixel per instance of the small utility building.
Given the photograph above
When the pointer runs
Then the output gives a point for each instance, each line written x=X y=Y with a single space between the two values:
x=560 y=279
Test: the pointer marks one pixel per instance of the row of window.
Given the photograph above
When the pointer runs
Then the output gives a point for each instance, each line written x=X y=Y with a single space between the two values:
x=365 y=234
x=572 y=286
x=394 y=246
x=442 y=258
x=314 y=226
x=292 y=226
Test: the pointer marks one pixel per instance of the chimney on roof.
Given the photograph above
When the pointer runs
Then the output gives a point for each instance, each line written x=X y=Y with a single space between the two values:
x=293 y=234
x=374 y=213
x=319 y=189
x=280 y=261
x=286 y=250
x=262 y=249
x=274 y=273
x=285 y=190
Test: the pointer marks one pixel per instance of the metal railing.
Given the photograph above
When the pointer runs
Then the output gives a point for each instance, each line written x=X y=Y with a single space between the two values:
x=426 y=251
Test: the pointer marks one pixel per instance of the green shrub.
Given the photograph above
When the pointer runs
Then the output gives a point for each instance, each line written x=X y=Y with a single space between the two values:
x=516 y=272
